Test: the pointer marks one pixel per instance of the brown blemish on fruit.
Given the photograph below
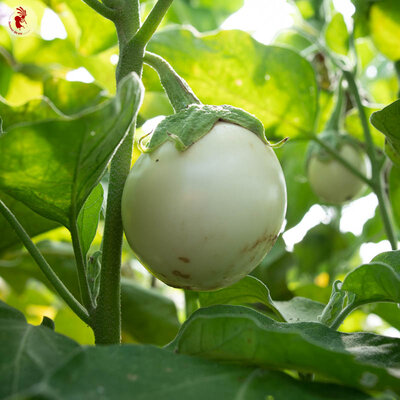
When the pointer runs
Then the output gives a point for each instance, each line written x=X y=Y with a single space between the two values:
x=157 y=160
x=180 y=286
x=181 y=274
x=265 y=238
x=184 y=259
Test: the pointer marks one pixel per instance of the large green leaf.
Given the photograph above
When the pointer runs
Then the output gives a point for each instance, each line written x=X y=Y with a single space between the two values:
x=39 y=363
x=275 y=84
x=52 y=166
x=388 y=122
x=376 y=281
x=336 y=35
x=72 y=97
x=27 y=353
x=204 y=15
x=247 y=291
x=394 y=192
x=300 y=309
x=33 y=223
x=385 y=27
x=97 y=32
x=240 y=334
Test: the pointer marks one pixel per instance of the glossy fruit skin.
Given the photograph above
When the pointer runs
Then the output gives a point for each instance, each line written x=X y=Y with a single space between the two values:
x=204 y=218
x=332 y=181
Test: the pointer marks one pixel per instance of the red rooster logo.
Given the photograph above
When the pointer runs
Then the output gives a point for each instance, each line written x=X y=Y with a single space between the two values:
x=20 y=18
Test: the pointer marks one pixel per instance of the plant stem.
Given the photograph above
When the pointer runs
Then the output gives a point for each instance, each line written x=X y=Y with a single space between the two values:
x=107 y=317
x=334 y=121
x=179 y=98
x=152 y=22
x=342 y=315
x=81 y=268
x=377 y=177
x=349 y=166
x=101 y=8
x=58 y=285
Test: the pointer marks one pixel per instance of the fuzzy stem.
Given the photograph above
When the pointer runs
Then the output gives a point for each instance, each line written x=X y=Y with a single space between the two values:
x=58 y=285
x=377 y=178
x=179 y=92
x=107 y=318
x=153 y=20
x=101 y=8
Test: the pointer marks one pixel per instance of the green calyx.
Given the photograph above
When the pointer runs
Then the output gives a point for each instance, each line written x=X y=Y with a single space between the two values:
x=193 y=122
x=192 y=119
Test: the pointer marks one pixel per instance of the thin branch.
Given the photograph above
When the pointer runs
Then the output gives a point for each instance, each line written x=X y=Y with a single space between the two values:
x=58 y=285
x=102 y=9
x=152 y=21
x=343 y=161
x=377 y=178
x=81 y=268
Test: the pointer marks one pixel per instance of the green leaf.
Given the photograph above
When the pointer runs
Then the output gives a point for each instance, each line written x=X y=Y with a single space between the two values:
x=394 y=192
x=147 y=316
x=6 y=73
x=385 y=27
x=240 y=334
x=336 y=35
x=391 y=258
x=300 y=309
x=88 y=218
x=387 y=311
x=36 y=362
x=28 y=353
x=192 y=123
x=388 y=122
x=72 y=97
x=376 y=281
x=275 y=84
x=334 y=306
x=52 y=166
x=247 y=291
x=8 y=313
x=33 y=223
x=204 y=15
x=93 y=273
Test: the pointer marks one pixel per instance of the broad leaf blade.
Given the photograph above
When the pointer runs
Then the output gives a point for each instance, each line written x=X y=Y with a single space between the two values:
x=247 y=291
x=300 y=309
x=27 y=353
x=52 y=166
x=388 y=122
x=39 y=363
x=240 y=334
x=275 y=84
x=372 y=282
